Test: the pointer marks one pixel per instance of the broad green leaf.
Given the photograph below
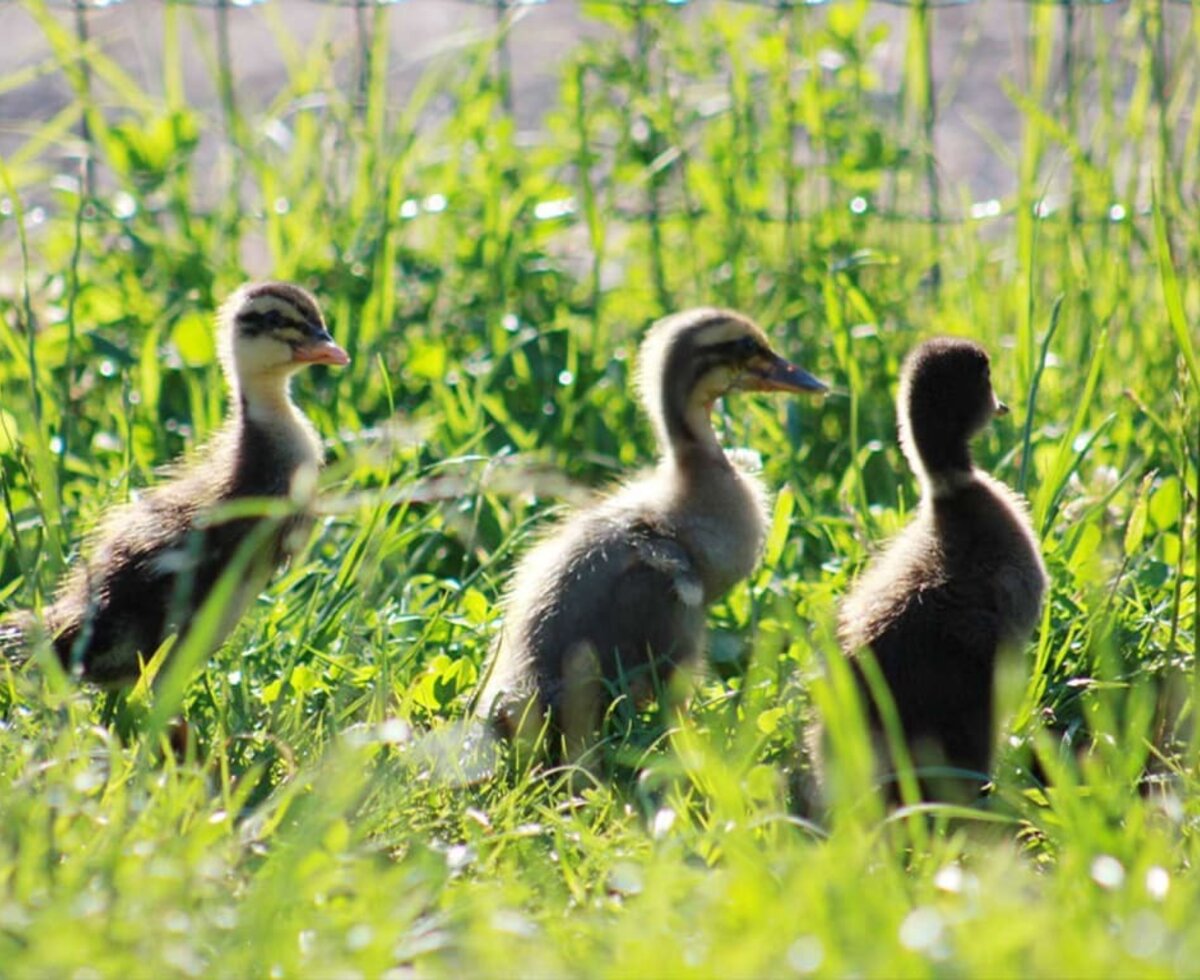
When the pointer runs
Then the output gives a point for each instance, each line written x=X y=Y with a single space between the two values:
x=475 y=605
x=768 y=721
x=193 y=338
x=785 y=504
x=1135 y=529
x=427 y=361
x=1166 y=503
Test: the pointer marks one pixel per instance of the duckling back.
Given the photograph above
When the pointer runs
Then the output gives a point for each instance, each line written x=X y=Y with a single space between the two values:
x=963 y=582
x=152 y=563
x=611 y=605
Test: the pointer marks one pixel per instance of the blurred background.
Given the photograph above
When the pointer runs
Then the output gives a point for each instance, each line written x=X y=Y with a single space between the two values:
x=979 y=56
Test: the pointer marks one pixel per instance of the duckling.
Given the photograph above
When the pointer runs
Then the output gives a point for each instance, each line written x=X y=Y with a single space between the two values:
x=962 y=582
x=613 y=599
x=151 y=563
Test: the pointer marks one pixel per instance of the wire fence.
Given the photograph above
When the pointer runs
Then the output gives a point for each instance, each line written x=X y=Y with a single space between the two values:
x=656 y=208
x=507 y=5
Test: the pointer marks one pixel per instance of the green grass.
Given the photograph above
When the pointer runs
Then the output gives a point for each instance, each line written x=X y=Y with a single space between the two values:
x=314 y=832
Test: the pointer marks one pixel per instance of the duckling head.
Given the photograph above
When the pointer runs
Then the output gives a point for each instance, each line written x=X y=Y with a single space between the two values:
x=945 y=398
x=268 y=331
x=690 y=359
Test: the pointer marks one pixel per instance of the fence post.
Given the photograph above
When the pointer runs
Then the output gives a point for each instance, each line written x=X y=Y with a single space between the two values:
x=787 y=28
x=503 y=57
x=225 y=89
x=927 y=107
x=643 y=49
x=363 y=34
x=87 y=166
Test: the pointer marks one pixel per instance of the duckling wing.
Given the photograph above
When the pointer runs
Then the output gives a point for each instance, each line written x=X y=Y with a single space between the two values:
x=938 y=658
x=149 y=567
x=617 y=609
x=635 y=603
x=669 y=566
x=113 y=603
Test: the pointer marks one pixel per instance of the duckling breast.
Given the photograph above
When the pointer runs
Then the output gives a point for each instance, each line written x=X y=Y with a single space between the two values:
x=721 y=515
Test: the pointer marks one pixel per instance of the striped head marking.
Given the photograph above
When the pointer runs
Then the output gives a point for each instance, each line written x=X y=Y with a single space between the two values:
x=274 y=328
x=705 y=353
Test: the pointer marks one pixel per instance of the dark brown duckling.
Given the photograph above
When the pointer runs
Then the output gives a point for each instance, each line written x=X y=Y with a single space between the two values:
x=962 y=582
x=613 y=600
x=151 y=563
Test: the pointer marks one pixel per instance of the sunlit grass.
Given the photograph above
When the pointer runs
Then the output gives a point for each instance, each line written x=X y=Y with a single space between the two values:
x=492 y=294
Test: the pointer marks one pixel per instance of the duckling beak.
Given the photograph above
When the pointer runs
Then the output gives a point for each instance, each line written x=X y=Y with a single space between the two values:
x=321 y=351
x=775 y=374
x=1001 y=408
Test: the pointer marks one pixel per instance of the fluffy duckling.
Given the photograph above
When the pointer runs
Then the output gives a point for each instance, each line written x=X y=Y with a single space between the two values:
x=962 y=582
x=150 y=564
x=612 y=600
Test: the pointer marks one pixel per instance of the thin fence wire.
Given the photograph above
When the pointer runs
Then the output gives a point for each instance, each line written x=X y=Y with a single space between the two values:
x=505 y=5
x=656 y=210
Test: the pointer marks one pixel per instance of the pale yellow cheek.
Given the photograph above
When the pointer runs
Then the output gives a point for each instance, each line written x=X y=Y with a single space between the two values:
x=714 y=384
x=260 y=354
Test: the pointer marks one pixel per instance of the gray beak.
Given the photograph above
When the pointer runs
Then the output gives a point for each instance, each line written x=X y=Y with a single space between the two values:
x=776 y=374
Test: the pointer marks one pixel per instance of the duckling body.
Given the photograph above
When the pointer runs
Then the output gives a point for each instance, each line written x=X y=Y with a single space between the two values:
x=962 y=582
x=613 y=601
x=151 y=564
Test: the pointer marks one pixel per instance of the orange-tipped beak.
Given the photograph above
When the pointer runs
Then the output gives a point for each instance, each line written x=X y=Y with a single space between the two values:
x=320 y=352
x=776 y=374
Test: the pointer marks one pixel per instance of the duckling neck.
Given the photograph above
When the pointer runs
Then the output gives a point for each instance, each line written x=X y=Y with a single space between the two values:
x=267 y=406
x=717 y=510
x=941 y=458
x=685 y=431
x=719 y=515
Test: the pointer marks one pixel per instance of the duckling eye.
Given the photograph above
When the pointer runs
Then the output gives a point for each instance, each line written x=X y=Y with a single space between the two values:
x=286 y=328
x=747 y=346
